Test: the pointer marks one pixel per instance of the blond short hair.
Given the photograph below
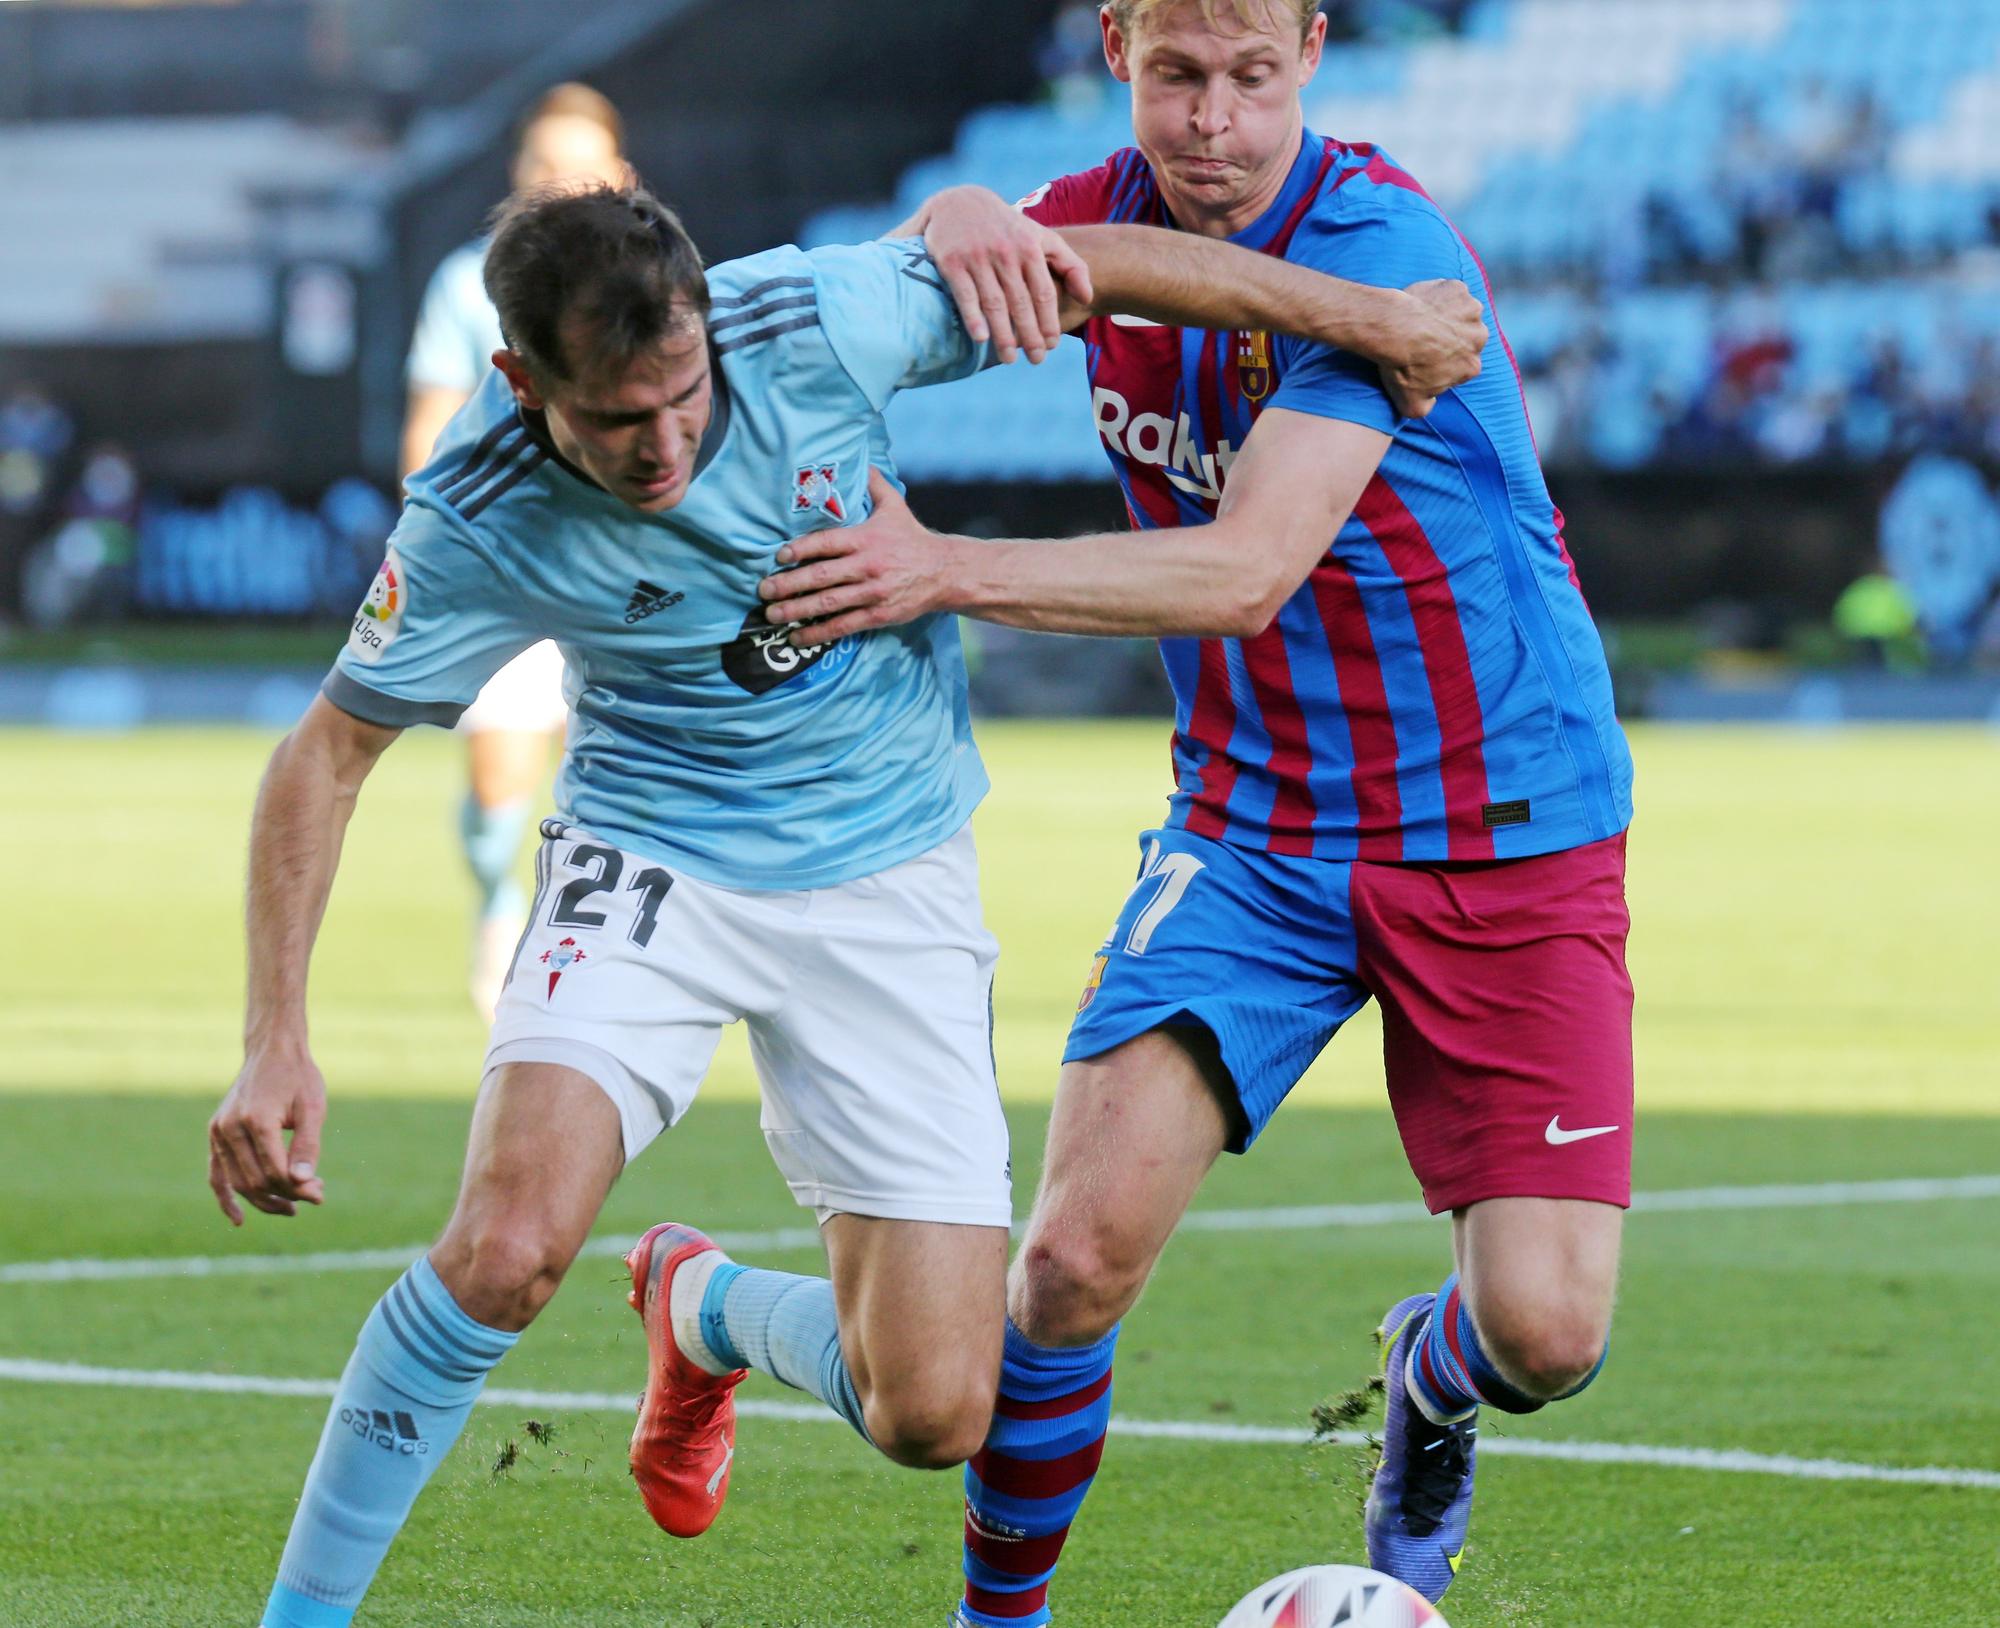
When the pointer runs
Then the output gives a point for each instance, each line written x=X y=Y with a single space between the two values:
x=1127 y=13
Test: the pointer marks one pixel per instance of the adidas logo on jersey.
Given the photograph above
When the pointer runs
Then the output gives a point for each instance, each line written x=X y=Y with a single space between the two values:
x=649 y=599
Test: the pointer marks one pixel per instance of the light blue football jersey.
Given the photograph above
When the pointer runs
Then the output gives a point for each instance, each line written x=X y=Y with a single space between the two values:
x=698 y=734
x=457 y=328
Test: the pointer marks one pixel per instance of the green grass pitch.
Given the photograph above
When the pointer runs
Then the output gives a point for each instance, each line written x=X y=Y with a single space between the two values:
x=1817 y=950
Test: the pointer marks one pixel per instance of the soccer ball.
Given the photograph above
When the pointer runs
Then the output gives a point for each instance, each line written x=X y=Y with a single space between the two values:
x=1322 y=1596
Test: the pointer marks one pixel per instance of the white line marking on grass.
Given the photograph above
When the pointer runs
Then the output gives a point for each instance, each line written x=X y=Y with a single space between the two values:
x=1712 y=1460
x=1294 y=1218
x=338 y=1260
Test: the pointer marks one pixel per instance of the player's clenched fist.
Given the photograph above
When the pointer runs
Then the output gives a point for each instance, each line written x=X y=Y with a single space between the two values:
x=1436 y=337
x=246 y=1145
x=1008 y=273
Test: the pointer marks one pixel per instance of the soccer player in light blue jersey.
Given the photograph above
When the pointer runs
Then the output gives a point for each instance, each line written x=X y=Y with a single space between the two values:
x=743 y=832
x=570 y=133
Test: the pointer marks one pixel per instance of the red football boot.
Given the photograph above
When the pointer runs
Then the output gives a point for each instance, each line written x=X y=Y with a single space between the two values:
x=686 y=1436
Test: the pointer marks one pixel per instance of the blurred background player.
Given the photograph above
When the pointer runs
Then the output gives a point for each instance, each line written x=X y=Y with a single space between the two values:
x=571 y=133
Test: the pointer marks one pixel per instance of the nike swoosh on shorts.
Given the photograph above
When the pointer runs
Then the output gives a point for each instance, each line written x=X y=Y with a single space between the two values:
x=1558 y=1137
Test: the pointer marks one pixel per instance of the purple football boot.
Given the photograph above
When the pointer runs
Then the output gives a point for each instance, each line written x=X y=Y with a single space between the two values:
x=1420 y=1503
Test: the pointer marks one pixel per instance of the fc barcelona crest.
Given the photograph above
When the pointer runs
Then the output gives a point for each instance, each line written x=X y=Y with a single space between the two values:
x=1253 y=365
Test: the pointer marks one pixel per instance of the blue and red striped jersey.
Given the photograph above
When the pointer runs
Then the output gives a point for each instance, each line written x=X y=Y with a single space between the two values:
x=1435 y=689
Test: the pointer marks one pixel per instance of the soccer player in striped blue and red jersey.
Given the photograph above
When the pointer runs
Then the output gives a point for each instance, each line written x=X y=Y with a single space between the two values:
x=1398 y=775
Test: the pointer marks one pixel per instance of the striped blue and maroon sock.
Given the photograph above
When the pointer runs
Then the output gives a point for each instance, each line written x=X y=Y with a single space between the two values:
x=1025 y=1486
x=1450 y=1373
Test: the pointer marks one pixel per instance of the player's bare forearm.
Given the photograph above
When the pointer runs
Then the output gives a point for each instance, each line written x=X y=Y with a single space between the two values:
x=1427 y=339
x=1116 y=584
x=1287 y=496
x=303 y=806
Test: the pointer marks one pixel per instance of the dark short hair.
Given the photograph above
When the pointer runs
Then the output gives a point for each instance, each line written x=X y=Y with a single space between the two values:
x=573 y=100
x=616 y=257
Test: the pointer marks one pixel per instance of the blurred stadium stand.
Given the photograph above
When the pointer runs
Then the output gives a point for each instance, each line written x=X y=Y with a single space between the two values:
x=1756 y=229
x=1747 y=253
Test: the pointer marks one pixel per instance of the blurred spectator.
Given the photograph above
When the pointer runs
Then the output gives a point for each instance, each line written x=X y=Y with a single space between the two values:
x=34 y=434
x=1884 y=413
x=1354 y=22
x=83 y=571
x=1071 y=60
x=1390 y=19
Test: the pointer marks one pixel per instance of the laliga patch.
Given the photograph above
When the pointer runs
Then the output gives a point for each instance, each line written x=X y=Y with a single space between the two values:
x=381 y=615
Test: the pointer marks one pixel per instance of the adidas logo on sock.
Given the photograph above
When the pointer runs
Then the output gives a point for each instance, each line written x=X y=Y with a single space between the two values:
x=649 y=599
x=392 y=1432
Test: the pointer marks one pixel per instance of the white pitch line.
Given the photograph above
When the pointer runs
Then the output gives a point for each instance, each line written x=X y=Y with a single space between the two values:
x=1293 y=1218
x=1708 y=1459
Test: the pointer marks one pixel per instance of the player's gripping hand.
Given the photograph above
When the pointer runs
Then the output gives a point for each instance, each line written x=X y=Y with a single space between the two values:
x=1008 y=273
x=885 y=571
x=1433 y=342
x=276 y=1092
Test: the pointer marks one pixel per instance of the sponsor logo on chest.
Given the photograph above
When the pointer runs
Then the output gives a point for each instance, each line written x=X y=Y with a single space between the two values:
x=1170 y=444
x=1167 y=444
x=762 y=656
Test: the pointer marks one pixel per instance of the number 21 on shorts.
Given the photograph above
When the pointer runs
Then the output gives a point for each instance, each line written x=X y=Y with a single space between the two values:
x=602 y=869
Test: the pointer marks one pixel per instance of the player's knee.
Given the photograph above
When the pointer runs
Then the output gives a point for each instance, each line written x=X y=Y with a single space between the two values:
x=500 y=1273
x=1547 y=1354
x=931 y=1428
x=1073 y=1284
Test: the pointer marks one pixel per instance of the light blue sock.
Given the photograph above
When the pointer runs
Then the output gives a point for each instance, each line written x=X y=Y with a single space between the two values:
x=782 y=1325
x=415 y=1373
x=491 y=838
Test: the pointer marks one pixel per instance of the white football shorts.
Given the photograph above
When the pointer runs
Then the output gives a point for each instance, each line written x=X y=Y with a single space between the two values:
x=524 y=697
x=869 y=1006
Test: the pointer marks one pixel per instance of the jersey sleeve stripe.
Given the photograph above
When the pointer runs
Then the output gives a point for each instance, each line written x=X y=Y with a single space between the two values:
x=472 y=477
x=357 y=700
x=737 y=342
x=479 y=454
x=771 y=309
x=757 y=292
x=519 y=452
x=479 y=505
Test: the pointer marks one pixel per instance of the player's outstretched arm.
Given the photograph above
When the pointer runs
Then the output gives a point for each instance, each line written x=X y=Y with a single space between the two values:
x=1426 y=339
x=1289 y=493
x=303 y=807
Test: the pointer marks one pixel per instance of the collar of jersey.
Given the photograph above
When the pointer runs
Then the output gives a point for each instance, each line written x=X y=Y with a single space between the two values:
x=536 y=423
